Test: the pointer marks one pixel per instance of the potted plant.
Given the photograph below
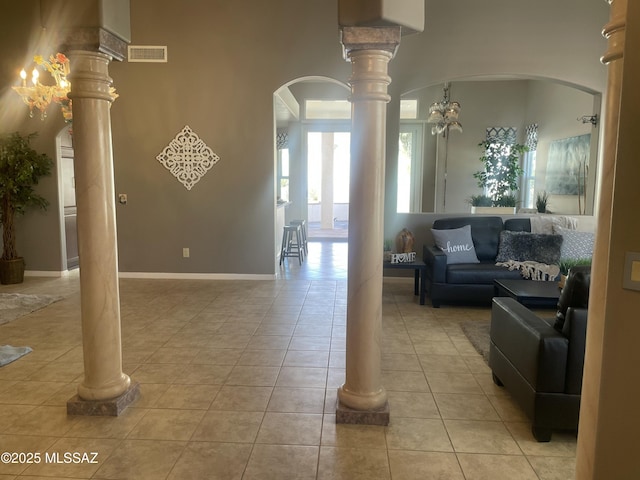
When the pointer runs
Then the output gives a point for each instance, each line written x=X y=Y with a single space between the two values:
x=567 y=264
x=509 y=201
x=542 y=200
x=499 y=178
x=480 y=201
x=20 y=170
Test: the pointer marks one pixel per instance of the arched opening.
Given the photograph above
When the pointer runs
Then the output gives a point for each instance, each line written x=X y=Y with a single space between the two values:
x=441 y=170
x=312 y=116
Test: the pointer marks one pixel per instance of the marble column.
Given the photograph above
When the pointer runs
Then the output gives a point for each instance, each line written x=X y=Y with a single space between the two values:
x=608 y=409
x=362 y=398
x=105 y=390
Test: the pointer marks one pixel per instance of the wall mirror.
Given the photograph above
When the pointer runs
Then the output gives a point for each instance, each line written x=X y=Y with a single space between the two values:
x=435 y=172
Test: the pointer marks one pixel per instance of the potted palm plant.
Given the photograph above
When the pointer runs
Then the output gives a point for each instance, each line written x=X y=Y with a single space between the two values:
x=20 y=170
x=499 y=178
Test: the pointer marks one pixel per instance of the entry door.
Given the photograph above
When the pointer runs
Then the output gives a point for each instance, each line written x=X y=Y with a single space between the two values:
x=328 y=159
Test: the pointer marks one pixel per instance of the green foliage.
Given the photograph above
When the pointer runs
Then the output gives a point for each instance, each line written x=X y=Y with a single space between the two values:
x=20 y=170
x=387 y=245
x=568 y=264
x=542 y=199
x=505 y=201
x=481 y=201
x=501 y=168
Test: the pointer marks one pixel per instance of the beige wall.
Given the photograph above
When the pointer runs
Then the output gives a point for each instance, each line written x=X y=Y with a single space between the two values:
x=555 y=108
x=225 y=61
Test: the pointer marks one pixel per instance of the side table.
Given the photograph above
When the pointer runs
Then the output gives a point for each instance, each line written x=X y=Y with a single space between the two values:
x=420 y=275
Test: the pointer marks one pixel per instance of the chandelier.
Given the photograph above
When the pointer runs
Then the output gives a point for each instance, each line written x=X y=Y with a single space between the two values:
x=444 y=115
x=38 y=95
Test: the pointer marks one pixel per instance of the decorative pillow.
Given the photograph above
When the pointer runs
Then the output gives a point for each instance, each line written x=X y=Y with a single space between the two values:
x=575 y=245
x=525 y=246
x=457 y=244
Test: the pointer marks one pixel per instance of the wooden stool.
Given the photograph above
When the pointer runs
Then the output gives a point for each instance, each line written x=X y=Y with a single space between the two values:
x=292 y=243
x=303 y=230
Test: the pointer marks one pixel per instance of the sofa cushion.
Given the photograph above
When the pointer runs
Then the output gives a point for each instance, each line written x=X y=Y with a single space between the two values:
x=479 y=273
x=485 y=232
x=457 y=244
x=524 y=246
x=576 y=245
x=517 y=224
x=574 y=294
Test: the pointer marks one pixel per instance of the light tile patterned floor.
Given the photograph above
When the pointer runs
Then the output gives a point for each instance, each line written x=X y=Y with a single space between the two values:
x=239 y=381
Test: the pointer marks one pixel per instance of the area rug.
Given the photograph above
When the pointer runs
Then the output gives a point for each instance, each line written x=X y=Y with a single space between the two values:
x=9 y=354
x=477 y=331
x=15 y=305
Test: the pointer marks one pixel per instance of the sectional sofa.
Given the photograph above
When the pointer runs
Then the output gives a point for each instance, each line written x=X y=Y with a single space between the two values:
x=463 y=269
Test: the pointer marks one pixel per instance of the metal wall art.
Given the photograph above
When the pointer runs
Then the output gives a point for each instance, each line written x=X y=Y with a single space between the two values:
x=187 y=157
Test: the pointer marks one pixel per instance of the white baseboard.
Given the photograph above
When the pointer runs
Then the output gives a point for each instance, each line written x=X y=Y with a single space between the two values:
x=46 y=273
x=197 y=276
x=163 y=275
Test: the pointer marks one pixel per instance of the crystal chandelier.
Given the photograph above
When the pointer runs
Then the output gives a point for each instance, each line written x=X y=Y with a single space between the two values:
x=444 y=115
x=40 y=96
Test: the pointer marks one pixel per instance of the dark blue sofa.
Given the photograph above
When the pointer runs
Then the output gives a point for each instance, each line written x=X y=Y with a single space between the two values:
x=469 y=283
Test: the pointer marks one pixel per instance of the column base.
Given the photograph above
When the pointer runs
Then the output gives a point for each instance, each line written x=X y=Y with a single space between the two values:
x=347 y=415
x=112 y=407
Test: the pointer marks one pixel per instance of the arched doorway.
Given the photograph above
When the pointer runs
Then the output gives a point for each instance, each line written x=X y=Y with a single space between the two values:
x=312 y=118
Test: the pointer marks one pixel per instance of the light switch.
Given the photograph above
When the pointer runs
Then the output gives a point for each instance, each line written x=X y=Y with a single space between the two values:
x=631 y=278
x=635 y=271
x=122 y=198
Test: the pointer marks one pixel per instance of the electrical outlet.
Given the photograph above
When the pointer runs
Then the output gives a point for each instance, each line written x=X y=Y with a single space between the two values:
x=185 y=252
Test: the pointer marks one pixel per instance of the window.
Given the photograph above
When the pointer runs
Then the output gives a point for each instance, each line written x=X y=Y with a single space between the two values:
x=408 y=109
x=327 y=109
x=409 y=196
x=529 y=167
x=502 y=169
x=282 y=141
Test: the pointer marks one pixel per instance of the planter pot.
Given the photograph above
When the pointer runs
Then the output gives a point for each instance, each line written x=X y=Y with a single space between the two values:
x=12 y=271
x=494 y=210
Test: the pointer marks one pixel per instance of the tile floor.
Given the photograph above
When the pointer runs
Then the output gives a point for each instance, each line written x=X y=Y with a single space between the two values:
x=239 y=381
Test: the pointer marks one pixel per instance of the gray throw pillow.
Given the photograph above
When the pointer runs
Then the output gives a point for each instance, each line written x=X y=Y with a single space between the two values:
x=457 y=244
x=525 y=246
x=576 y=245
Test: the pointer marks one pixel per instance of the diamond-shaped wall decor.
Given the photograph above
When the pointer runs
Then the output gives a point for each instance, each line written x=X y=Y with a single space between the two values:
x=187 y=157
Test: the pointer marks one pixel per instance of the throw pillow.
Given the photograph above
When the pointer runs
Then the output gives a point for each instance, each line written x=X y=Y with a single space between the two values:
x=575 y=245
x=525 y=246
x=457 y=244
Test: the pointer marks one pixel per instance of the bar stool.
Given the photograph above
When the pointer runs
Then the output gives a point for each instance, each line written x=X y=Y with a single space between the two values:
x=303 y=229
x=292 y=243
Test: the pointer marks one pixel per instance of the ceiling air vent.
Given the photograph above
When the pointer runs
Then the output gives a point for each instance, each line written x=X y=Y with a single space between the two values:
x=147 y=53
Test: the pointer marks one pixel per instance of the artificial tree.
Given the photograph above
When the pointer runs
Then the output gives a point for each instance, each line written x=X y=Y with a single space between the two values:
x=21 y=167
x=499 y=178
